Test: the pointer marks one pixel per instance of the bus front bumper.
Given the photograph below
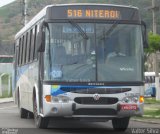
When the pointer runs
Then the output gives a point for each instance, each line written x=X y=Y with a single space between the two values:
x=72 y=109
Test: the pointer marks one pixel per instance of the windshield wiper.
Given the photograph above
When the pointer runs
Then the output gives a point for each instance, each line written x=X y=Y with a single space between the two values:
x=83 y=34
x=109 y=31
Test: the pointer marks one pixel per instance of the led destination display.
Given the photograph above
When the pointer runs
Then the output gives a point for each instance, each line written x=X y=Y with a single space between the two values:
x=108 y=14
x=90 y=12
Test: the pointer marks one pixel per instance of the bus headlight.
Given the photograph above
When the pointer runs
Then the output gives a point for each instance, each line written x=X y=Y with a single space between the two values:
x=55 y=99
x=135 y=99
x=64 y=99
x=60 y=99
x=127 y=99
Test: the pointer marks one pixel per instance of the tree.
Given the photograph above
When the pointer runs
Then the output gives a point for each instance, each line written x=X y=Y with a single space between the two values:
x=154 y=43
x=154 y=46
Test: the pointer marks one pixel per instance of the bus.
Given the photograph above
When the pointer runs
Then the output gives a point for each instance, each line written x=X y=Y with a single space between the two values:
x=82 y=62
x=150 y=88
x=149 y=79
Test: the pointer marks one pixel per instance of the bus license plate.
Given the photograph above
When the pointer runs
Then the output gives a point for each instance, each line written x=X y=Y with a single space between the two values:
x=129 y=107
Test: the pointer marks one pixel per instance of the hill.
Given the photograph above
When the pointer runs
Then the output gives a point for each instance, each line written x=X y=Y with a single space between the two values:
x=11 y=19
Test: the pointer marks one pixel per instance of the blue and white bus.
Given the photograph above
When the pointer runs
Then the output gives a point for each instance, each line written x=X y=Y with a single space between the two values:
x=81 y=61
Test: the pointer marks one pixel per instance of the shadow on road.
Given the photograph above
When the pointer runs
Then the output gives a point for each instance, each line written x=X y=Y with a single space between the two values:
x=78 y=127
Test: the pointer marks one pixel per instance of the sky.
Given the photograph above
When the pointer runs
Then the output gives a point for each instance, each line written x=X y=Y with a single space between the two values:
x=5 y=2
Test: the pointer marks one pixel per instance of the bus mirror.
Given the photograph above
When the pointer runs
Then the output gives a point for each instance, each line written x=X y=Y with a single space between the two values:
x=40 y=42
x=144 y=34
x=42 y=36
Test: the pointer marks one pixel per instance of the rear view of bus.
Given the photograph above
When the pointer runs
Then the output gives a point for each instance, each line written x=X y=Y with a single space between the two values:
x=90 y=64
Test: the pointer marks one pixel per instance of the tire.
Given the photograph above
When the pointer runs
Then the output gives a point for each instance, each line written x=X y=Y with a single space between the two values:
x=120 y=124
x=40 y=122
x=31 y=115
x=23 y=113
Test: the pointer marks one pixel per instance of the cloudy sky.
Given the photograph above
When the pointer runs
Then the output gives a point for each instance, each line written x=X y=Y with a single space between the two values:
x=5 y=2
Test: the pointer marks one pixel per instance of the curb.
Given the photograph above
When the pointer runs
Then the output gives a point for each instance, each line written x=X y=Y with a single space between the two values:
x=146 y=121
x=6 y=100
x=150 y=116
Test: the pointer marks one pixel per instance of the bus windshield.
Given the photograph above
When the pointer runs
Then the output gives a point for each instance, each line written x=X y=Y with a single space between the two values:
x=90 y=52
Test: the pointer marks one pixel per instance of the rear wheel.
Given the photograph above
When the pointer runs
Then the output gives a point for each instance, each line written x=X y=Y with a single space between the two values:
x=31 y=115
x=120 y=124
x=23 y=112
x=40 y=122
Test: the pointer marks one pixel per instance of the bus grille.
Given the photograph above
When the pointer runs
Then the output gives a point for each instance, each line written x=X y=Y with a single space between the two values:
x=91 y=101
x=102 y=111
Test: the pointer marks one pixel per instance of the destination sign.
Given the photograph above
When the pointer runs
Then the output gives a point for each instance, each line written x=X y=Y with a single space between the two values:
x=92 y=12
x=97 y=14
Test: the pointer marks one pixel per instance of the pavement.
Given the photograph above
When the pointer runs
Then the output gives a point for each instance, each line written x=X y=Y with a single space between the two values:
x=146 y=120
x=139 y=119
x=5 y=100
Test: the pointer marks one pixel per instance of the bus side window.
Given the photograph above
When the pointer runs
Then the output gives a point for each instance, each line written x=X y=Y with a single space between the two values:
x=28 y=48
x=20 y=58
x=26 y=45
x=153 y=79
x=149 y=79
x=145 y=79
x=19 y=52
x=32 y=45
x=35 y=39
x=24 y=49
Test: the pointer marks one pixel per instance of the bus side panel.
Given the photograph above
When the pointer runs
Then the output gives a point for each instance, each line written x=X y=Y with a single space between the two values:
x=33 y=83
x=27 y=78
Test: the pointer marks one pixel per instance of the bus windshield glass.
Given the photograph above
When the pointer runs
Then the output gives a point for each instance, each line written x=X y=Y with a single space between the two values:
x=88 y=52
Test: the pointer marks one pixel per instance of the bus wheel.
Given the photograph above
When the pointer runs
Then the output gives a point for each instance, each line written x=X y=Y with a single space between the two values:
x=40 y=122
x=23 y=113
x=31 y=115
x=120 y=124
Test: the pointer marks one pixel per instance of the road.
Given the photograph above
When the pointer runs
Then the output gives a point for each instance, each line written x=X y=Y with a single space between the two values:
x=9 y=118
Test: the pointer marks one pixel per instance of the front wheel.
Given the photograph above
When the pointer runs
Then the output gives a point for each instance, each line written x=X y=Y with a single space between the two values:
x=40 y=122
x=120 y=124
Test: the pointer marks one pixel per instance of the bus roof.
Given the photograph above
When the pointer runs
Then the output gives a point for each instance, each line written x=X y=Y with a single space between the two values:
x=42 y=13
x=95 y=4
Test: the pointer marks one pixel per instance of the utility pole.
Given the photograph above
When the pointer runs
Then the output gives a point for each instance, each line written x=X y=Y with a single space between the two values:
x=154 y=8
x=25 y=8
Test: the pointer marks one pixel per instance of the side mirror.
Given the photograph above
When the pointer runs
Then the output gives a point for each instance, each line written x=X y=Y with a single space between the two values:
x=144 y=34
x=41 y=37
x=41 y=41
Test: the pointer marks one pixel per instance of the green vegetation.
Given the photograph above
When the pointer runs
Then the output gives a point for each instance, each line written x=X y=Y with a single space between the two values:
x=5 y=94
x=154 y=43
x=151 y=101
x=152 y=113
x=5 y=90
x=151 y=109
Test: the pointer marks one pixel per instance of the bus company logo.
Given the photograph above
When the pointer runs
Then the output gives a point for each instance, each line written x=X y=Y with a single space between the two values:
x=96 y=97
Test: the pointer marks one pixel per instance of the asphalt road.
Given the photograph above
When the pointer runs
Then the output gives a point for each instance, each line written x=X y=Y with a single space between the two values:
x=10 y=122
